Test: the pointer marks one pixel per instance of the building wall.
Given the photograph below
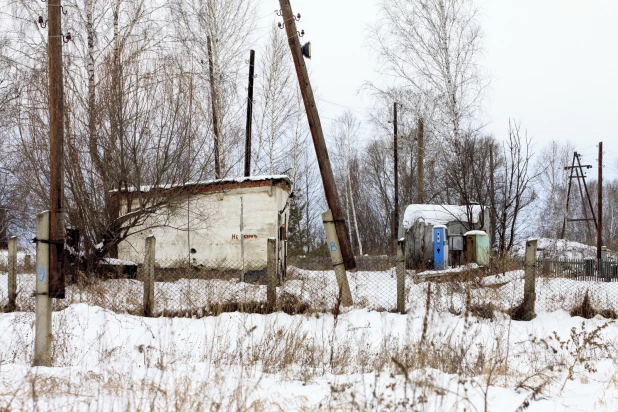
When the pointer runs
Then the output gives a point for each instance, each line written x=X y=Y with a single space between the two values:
x=419 y=244
x=214 y=231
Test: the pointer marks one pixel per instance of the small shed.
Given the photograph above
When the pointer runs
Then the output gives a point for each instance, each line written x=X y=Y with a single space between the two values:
x=219 y=224
x=418 y=223
x=477 y=247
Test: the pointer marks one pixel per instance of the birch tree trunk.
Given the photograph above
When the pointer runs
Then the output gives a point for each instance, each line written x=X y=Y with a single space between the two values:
x=358 y=237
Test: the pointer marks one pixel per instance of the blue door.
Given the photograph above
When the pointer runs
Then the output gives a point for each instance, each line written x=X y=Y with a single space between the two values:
x=439 y=240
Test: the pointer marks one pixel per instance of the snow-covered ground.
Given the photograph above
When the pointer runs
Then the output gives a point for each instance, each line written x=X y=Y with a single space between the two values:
x=558 y=249
x=360 y=360
x=438 y=356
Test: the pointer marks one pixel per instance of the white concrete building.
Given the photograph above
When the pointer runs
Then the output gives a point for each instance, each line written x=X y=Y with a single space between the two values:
x=219 y=224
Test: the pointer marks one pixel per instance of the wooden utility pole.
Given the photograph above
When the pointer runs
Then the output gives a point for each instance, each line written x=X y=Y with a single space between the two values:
x=249 y=115
x=3 y=228
x=326 y=171
x=12 y=274
x=395 y=223
x=56 y=149
x=420 y=150
x=214 y=98
x=600 y=203
x=492 y=195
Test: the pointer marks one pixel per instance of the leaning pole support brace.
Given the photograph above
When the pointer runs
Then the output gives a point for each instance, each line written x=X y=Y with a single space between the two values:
x=337 y=258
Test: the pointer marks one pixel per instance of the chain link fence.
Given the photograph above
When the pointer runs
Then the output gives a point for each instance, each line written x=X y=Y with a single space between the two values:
x=190 y=288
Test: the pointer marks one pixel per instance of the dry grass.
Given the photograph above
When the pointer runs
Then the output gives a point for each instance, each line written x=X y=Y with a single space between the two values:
x=587 y=310
x=293 y=352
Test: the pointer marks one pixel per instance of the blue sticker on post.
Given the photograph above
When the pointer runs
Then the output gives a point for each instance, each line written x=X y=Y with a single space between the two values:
x=333 y=247
x=41 y=272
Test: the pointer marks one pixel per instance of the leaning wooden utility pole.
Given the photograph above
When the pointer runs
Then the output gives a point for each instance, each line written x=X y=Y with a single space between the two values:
x=600 y=203
x=420 y=147
x=332 y=197
x=395 y=222
x=249 y=115
x=56 y=149
x=214 y=99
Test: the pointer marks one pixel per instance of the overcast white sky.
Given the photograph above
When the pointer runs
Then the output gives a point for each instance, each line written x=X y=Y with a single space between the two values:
x=553 y=66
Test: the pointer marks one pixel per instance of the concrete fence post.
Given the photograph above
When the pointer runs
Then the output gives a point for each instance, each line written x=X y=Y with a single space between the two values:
x=149 y=276
x=43 y=311
x=271 y=273
x=12 y=272
x=337 y=258
x=530 y=280
x=401 y=276
x=525 y=310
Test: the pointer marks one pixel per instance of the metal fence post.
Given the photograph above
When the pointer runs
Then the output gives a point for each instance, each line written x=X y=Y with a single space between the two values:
x=271 y=273
x=337 y=258
x=401 y=276
x=149 y=276
x=43 y=314
x=12 y=272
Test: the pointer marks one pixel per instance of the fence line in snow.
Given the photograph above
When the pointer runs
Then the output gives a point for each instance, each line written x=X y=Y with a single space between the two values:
x=179 y=287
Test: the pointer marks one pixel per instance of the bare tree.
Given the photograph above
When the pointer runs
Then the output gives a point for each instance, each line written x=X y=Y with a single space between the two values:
x=431 y=47
x=277 y=105
x=375 y=214
x=552 y=183
x=228 y=25
x=514 y=186
x=129 y=120
x=467 y=176
x=345 y=130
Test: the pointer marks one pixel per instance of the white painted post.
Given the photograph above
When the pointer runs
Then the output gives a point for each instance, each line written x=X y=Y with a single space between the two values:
x=43 y=324
x=149 y=276
x=337 y=258
x=271 y=273
x=401 y=276
x=12 y=272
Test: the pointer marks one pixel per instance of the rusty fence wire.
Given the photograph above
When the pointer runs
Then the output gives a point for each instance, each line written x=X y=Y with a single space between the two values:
x=308 y=284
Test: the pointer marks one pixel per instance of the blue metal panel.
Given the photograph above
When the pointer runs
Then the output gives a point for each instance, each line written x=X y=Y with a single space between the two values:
x=439 y=240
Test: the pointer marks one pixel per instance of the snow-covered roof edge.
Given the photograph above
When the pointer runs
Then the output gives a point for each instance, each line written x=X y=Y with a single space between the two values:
x=242 y=179
x=475 y=233
x=439 y=214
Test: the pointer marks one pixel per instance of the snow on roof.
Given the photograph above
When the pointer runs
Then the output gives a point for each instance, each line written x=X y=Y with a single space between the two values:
x=148 y=188
x=439 y=214
x=475 y=233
